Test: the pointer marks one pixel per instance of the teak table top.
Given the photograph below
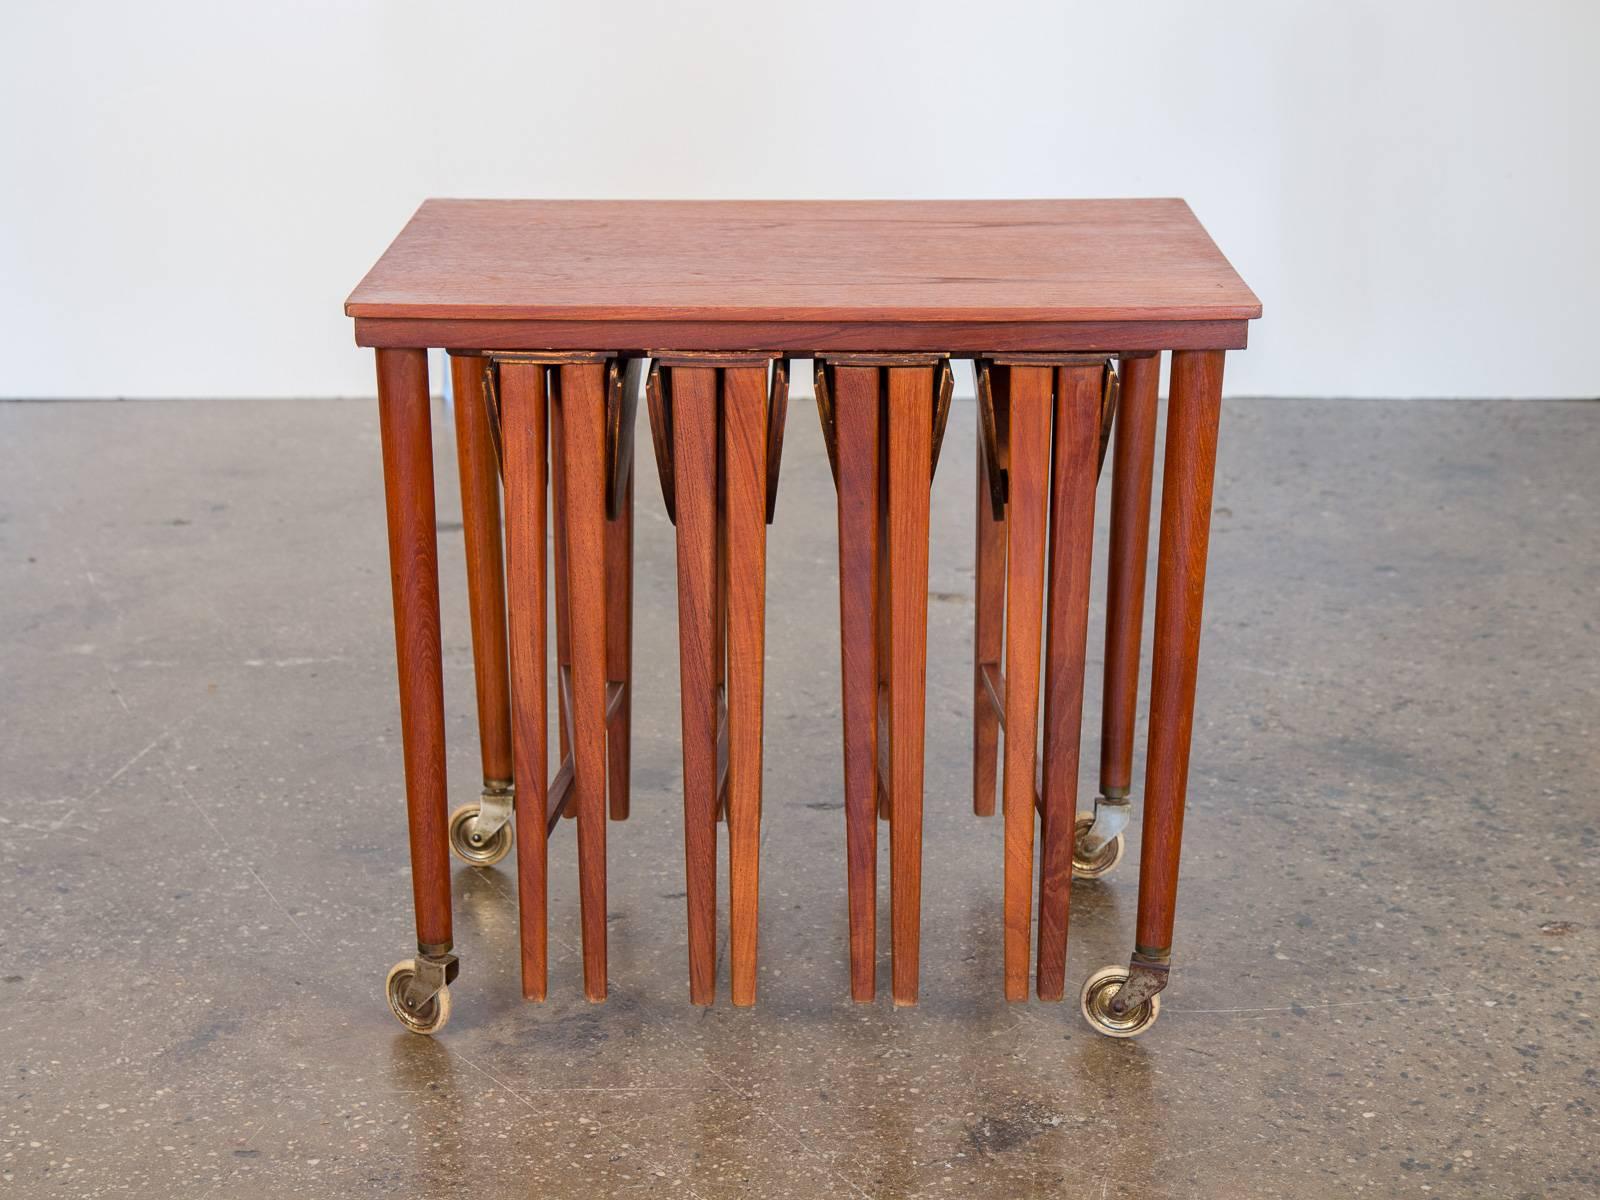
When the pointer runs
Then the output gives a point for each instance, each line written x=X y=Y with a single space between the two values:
x=800 y=276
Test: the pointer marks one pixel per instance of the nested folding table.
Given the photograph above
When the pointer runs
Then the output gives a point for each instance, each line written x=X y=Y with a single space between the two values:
x=546 y=305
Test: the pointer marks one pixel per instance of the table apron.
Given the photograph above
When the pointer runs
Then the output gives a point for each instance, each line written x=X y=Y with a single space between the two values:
x=960 y=338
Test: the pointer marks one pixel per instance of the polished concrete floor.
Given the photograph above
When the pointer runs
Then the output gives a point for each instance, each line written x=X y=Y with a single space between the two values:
x=1385 y=979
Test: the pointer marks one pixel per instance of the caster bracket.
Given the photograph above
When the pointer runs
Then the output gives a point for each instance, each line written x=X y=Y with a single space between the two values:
x=494 y=810
x=432 y=974
x=1111 y=816
x=1145 y=979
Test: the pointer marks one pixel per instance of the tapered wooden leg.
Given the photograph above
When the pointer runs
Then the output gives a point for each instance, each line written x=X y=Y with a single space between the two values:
x=910 y=453
x=745 y=459
x=1132 y=468
x=1191 y=457
x=486 y=596
x=1076 y=450
x=523 y=407
x=558 y=522
x=1029 y=479
x=882 y=650
x=856 y=433
x=404 y=423
x=988 y=641
x=582 y=405
x=619 y=648
x=721 y=652
x=694 y=451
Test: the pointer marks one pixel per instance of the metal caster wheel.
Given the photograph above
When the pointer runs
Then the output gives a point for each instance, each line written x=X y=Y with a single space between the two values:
x=1103 y=861
x=1095 y=1001
x=471 y=844
x=427 y=1017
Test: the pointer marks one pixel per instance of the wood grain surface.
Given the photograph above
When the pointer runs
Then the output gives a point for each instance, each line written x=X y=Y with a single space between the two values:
x=694 y=445
x=1026 y=522
x=1076 y=452
x=744 y=432
x=1189 y=471
x=860 y=485
x=486 y=586
x=582 y=404
x=1132 y=474
x=859 y=260
x=910 y=452
x=404 y=423
x=523 y=424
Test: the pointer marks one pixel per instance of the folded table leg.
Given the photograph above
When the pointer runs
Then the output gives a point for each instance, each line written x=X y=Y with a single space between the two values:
x=524 y=424
x=1026 y=512
x=910 y=438
x=857 y=433
x=582 y=403
x=882 y=418
x=1075 y=451
x=619 y=647
x=694 y=452
x=988 y=637
x=744 y=431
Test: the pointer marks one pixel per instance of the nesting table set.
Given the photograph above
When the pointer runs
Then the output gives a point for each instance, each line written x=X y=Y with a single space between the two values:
x=557 y=314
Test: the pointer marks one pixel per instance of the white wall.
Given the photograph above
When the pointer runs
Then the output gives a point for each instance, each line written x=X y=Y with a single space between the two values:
x=190 y=189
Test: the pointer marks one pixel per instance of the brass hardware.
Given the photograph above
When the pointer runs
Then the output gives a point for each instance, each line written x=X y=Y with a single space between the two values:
x=418 y=991
x=1102 y=991
x=1098 y=842
x=480 y=833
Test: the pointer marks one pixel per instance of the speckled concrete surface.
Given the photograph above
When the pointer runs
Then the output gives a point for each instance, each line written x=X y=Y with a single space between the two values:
x=1385 y=981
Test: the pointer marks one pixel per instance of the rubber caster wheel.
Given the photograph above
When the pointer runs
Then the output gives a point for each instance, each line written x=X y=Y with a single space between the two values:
x=1095 y=1002
x=470 y=845
x=429 y=1017
x=1103 y=862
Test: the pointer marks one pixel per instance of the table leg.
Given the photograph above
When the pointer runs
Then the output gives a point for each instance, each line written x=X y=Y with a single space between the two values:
x=582 y=403
x=558 y=523
x=988 y=640
x=1076 y=450
x=1101 y=844
x=523 y=419
x=1128 y=1005
x=417 y=988
x=694 y=449
x=480 y=832
x=910 y=455
x=619 y=647
x=856 y=433
x=1029 y=479
x=881 y=650
x=745 y=459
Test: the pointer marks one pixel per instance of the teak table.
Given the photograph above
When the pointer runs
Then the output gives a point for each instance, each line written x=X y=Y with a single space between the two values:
x=1061 y=304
